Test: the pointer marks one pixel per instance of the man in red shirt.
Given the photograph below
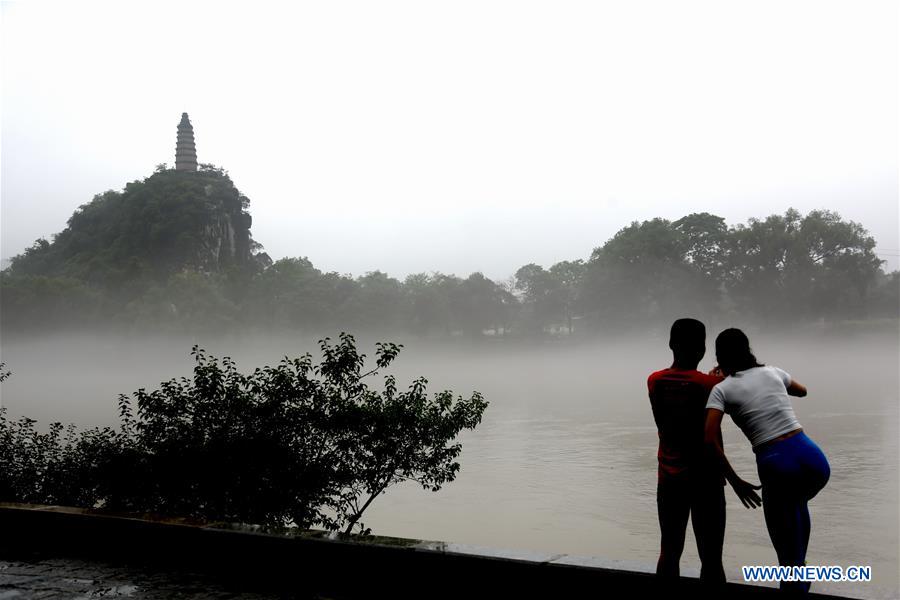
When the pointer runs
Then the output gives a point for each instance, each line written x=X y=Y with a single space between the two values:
x=690 y=482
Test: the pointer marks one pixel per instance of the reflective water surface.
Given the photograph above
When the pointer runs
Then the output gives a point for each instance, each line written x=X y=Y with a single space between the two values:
x=564 y=461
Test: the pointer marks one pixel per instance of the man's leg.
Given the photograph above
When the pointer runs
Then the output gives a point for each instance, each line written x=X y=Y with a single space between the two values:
x=708 y=521
x=673 y=505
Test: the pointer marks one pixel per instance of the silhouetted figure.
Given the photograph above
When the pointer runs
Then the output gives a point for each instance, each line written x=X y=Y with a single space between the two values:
x=791 y=467
x=690 y=483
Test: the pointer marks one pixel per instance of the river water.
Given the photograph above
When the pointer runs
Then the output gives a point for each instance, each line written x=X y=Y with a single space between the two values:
x=564 y=460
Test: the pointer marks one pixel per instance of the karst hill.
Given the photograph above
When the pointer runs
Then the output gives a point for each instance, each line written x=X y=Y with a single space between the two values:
x=178 y=234
x=167 y=223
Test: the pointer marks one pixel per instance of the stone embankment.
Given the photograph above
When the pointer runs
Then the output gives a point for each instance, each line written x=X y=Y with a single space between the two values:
x=59 y=552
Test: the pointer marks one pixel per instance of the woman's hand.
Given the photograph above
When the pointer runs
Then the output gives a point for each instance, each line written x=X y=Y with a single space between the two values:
x=713 y=440
x=746 y=491
x=796 y=389
x=717 y=372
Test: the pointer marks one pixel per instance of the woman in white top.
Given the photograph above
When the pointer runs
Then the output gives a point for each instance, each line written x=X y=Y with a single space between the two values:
x=791 y=467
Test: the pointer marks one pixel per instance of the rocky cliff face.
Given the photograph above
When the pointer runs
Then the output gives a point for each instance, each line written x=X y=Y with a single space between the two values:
x=225 y=241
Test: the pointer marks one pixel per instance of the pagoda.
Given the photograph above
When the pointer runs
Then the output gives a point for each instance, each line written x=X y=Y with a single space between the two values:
x=185 y=151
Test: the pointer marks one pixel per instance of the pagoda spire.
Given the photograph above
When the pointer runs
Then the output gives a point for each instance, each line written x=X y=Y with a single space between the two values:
x=185 y=151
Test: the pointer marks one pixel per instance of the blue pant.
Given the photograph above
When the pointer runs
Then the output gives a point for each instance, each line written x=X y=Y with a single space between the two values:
x=791 y=471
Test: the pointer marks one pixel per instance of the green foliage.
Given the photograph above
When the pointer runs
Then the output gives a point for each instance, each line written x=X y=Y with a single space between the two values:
x=542 y=296
x=57 y=467
x=783 y=268
x=187 y=301
x=291 y=292
x=159 y=255
x=885 y=299
x=301 y=443
x=642 y=274
x=703 y=242
x=373 y=298
x=569 y=275
x=794 y=267
x=150 y=230
x=34 y=302
x=138 y=253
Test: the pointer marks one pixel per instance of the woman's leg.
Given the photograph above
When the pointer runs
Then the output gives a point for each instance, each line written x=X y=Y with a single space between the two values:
x=815 y=474
x=784 y=507
x=816 y=470
x=805 y=528
x=791 y=472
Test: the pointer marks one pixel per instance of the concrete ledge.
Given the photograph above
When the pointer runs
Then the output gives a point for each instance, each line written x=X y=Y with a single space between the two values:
x=287 y=563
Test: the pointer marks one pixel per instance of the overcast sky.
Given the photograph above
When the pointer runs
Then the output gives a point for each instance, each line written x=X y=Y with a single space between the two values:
x=457 y=136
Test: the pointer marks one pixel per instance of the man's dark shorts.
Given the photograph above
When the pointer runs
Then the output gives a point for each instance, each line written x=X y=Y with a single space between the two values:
x=703 y=500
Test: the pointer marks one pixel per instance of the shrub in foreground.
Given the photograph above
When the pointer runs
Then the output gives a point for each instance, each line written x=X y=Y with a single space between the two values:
x=300 y=443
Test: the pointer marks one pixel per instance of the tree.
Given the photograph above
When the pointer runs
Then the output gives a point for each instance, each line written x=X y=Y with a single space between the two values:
x=376 y=301
x=481 y=304
x=175 y=251
x=123 y=245
x=291 y=293
x=839 y=259
x=428 y=308
x=885 y=297
x=32 y=302
x=298 y=443
x=392 y=436
x=542 y=299
x=705 y=238
x=641 y=275
x=569 y=277
x=795 y=267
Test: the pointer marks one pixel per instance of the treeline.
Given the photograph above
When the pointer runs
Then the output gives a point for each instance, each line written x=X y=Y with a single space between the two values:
x=131 y=260
x=783 y=269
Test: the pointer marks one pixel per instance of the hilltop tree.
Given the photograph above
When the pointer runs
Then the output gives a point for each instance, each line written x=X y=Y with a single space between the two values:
x=127 y=248
x=152 y=229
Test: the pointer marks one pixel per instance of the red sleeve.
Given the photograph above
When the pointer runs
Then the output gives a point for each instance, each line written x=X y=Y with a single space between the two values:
x=651 y=381
x=710 y=381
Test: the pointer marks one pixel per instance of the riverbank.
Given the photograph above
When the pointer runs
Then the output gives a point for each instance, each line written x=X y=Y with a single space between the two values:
x=307 y=564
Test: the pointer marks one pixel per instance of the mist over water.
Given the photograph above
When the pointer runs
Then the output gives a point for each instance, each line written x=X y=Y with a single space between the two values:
x=565 y=459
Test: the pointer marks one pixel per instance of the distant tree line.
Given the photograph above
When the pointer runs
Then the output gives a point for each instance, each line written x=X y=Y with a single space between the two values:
x=162 y=255
x=782 y=269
